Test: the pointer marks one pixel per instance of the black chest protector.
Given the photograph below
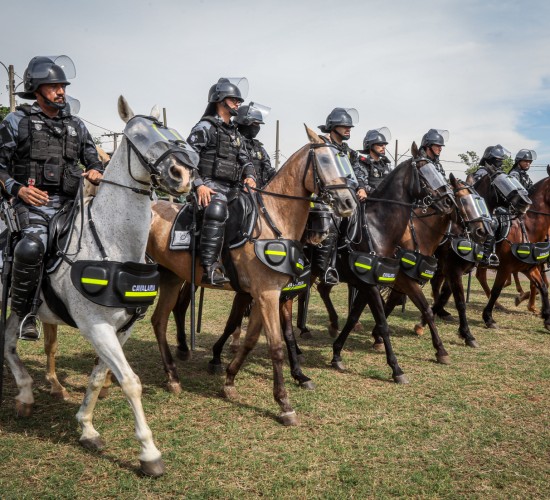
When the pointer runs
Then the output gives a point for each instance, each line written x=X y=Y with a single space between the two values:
x=48 y=158
x=218 y=160
x=376 y=170
x=257 y=156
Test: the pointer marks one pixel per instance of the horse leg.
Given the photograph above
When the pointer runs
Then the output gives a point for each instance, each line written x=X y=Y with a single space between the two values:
x=108 y=345
x=180 y=309
x=455 y=282
x=300 y=320
x=293 y=350
x=50 y=347
x=240 y=302
x=439 y=306
x=521 y=294
x=170 y=285
x=415 y=293
x=265 y=311
x=24 y=400
x=498 y=285
x=394 y=299
x=534 y=275
x=324 y=292
x=481 y=275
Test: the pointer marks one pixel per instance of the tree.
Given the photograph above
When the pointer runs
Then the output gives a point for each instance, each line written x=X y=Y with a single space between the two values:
x=3 y=112
x=472 y=159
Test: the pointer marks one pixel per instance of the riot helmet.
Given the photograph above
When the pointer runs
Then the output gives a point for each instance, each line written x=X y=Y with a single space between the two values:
x=228 y=87
x=46 y=70
x=494 y=155
x=340 y=117
x=376 y=136
x=525 y=155
x=250 y=117
x=435 y=137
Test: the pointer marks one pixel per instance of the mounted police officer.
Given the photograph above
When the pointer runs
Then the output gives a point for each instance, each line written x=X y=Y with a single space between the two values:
x=433 y=141
x=223 y=165
x=41 y=146
x=373 y=159
x=338 y=127
x=522 y=162
x=249 y=120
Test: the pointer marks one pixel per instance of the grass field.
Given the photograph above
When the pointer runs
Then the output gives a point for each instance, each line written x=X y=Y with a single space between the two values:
x=478 y=428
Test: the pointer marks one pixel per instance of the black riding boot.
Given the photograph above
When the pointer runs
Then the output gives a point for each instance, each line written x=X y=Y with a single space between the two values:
x=322 y=260
x=210 y=247
x=490 y=258
x=24 y=282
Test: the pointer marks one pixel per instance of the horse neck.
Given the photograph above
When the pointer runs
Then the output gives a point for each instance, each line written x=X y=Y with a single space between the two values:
x=388 y=221
x=288 y=215
x=429 y=231
x=538 y=224
x=122 y=217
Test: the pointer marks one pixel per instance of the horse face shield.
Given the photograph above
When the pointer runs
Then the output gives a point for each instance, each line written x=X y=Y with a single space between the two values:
x=338 y=182
x=440 y=194
x=169 y=159
x=474 y=211
x=513 y=192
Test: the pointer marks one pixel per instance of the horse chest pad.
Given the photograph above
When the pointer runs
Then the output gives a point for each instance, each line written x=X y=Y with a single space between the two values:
x=283 y=256
x=116 y=284
x=467 y=249
x=373 y=269
x=532 y=253
x=417 y=266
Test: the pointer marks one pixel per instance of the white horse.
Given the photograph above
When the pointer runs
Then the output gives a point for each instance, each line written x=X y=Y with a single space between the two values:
x=122 y=215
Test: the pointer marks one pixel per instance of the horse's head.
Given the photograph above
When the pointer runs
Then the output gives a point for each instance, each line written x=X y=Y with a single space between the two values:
x=437 y=192
x=318 y=223
x=334 y=178
x=472 y=210
x=168 y=161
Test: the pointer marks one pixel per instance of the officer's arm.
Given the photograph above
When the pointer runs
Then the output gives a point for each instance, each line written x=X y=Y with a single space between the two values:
x=198 y=139
x=88 y=151
x=8 y=145
x=244 y=161
x=266 y=165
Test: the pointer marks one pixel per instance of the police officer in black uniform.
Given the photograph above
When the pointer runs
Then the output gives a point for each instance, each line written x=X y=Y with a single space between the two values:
x=223 y=165
x=372 y=159
x=41 y=146
x=431 y=145
x=338 y=126
x=522 y=162
x=249 y=120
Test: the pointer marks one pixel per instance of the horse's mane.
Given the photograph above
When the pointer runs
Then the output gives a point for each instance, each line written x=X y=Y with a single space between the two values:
x=288 y=162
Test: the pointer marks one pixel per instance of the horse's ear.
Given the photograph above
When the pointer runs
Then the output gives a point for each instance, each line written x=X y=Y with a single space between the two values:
x=155 y=112
x=414 y=149
x=453 y=180
x=124 y=110
x=312 y=136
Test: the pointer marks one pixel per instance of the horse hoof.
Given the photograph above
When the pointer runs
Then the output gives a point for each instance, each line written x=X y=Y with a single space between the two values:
x=289 y=418
x=401 y=379
x=173 y=388
x=308 y=385
x=301 y=359
x=500 y=307
x=23 y=410
x=62 y=395
x=547 y=326
x=419 y=329
x=472 y=343
x=234 y=348
x=306 y=335
x=333 y=332
x=183 y=355
x=215 y=368
x=155 y=468
x=444 y=359
x=491 y=324
x=103 y=392
x=448 y=318
x=379 y=346
x=93 y=444
x=358 y=327
x=338 y=365
x=229 y=392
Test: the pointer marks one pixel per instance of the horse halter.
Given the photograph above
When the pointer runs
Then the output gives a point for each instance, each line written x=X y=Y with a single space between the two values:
x=432 y=179
x=341 y=165
x=472 y=208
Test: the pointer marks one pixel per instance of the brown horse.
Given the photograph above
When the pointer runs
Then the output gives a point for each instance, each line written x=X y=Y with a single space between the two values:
x=312 y=169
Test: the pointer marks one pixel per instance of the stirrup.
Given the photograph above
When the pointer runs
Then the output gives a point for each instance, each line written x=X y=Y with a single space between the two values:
x=493 y=260
x=214 y=275
x=38 y=329
x=331 y=276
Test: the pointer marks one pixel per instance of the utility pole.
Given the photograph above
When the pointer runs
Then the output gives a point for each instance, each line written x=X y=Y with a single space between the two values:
x=114 y=135
x=164 y=117
x=11 y=85
x=395 y=157
x=277 y=147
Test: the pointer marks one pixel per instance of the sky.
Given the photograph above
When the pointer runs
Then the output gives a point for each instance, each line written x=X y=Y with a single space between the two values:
x=478 y=68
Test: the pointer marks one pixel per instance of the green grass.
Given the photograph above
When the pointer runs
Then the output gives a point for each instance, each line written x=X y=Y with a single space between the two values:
x=478 y=428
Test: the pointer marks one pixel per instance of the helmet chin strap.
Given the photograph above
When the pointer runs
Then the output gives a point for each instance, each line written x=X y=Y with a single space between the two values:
x=343 y=137
x=232 y=112
x=52 y=104
x=436 y=156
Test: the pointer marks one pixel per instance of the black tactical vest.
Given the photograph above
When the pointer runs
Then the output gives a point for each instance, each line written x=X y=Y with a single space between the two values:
x=219 y=160
x=376 y=170
x=49 y=154
x=254 y=148
x=524 y=178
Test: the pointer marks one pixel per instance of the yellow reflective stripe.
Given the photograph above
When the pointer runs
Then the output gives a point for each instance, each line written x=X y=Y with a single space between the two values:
x=479 y=255
x=274 y=252
x=299 y=266
x=155 y=128
x=364 y=266
x=344 y=167
x=411 y=262
x=524 y=251
x=175 y=134
x=140 y=294
x=386 y=279
x=297 y=287
x=464 y=248
x=426 y=275
x=92 y=281
x=543 y=256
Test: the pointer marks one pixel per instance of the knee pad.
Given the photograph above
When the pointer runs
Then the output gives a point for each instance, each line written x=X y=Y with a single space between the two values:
x=29 y=251
x=216 y=210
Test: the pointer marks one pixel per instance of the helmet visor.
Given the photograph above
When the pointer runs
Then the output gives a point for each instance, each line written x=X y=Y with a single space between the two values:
x=526 y=154
x=241 y=83
x=354 y=114
x=41 y=68
x=73 y=104
x=257 y=113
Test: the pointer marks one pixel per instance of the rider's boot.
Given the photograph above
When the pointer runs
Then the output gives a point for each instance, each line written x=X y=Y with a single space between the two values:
x=25 y=276
x=323 y=260
x=211 y=243
x=490 y=258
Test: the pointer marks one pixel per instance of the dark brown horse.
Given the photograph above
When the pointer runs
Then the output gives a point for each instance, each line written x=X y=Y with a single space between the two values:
x=314 y=168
